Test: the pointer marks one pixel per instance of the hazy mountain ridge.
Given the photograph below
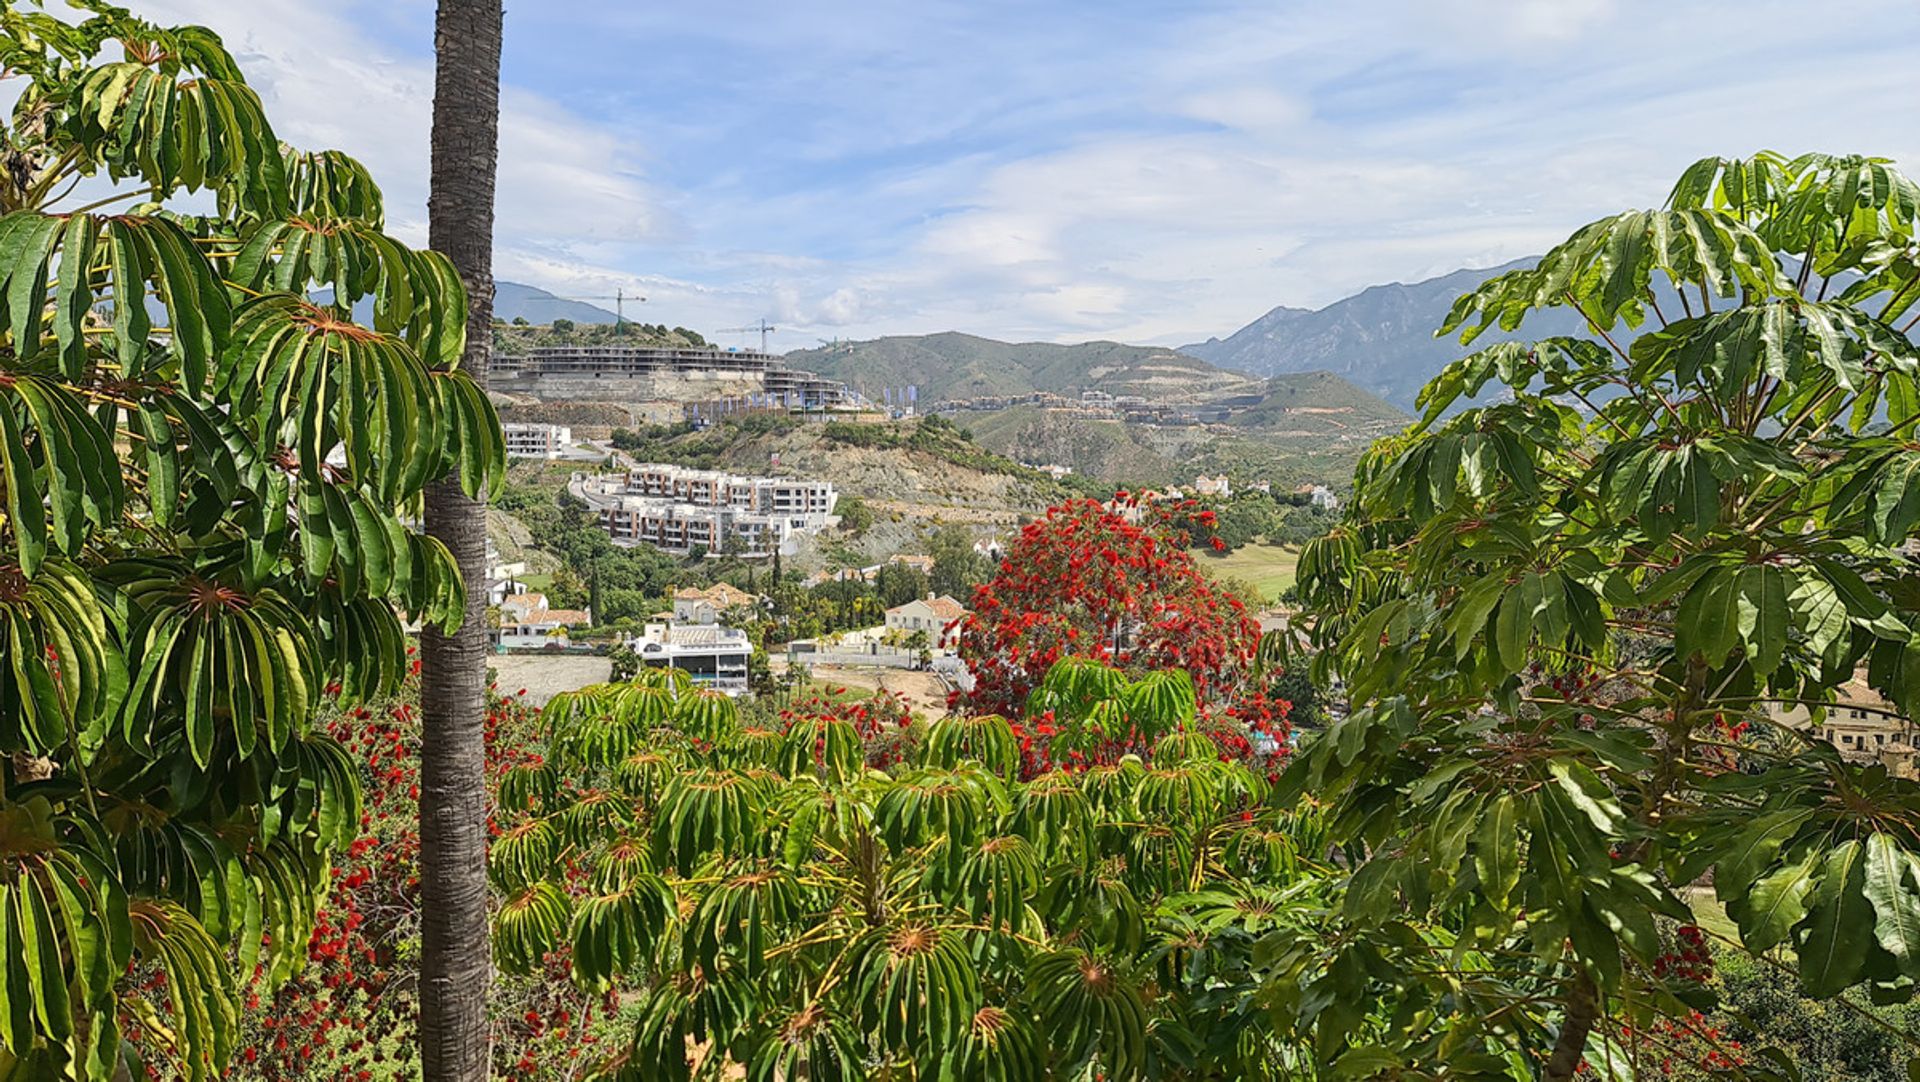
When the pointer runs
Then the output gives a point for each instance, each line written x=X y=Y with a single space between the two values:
x=951 y=365
x=1380 y=339
x=512 y=300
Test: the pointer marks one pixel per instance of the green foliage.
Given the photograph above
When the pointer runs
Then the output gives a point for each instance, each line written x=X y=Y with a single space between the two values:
x=516 y=338
x=1557 y=614
x=855 y=516
x=1828 y=1041
x=760 y=887
x=957 y=568
x=205 y=477
x=898 y=584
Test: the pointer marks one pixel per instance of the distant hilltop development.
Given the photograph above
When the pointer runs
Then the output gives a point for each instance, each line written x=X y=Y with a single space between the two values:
x=637 y=373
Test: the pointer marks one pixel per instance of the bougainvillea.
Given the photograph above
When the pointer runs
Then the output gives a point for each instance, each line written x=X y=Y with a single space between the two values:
x=1112 y=583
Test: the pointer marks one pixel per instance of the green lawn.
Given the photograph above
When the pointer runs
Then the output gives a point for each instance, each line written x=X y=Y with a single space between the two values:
x=1268 y=567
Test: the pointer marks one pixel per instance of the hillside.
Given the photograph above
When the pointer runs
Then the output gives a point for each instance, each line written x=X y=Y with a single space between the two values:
x=511 y=339
x=1316 y=403
x=925 y=468
x=1112 y=451
x=1380 y=339
x=1309 y=426
x=953 y=366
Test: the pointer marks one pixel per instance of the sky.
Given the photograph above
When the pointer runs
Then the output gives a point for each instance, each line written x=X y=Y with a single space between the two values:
x=1066 y=170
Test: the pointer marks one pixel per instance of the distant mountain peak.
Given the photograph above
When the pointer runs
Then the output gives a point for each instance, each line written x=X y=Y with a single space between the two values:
x=1380 y=339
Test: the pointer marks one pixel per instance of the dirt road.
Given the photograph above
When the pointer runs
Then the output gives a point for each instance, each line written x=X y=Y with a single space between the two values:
x=923 y=691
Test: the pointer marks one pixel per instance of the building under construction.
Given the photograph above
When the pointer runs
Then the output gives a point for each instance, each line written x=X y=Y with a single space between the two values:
x=647 y=373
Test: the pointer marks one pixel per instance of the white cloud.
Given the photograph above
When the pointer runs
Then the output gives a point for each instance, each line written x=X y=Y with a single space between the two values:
x=562 y=182
x=1249 y=108
x=1061 y=172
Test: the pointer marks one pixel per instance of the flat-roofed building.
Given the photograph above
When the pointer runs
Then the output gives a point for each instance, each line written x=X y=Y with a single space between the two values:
x=528 y=440
x=714 y=655
x=680 y=509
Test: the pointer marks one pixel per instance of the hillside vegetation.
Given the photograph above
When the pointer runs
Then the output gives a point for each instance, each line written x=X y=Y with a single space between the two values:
x=513 y=339
x=925 y=466
x=1311 y=427
x=951 y=366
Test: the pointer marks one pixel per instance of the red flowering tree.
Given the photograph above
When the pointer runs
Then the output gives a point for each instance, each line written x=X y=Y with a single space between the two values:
x=1116 y=585
x=348 y=1014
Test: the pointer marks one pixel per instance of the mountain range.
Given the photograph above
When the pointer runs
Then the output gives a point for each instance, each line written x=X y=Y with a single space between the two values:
x=951 y=365
x=1380 y=339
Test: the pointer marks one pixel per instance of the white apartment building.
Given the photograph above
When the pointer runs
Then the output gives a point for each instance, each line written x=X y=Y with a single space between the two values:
x=679 y=509
x=537 y=440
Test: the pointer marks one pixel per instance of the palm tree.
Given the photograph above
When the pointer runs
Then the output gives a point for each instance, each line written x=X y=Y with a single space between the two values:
x=454 y=966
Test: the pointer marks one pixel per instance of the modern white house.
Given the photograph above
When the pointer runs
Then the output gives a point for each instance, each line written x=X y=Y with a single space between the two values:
x=714 y=655
x=525 y=440
x=939 y=617
x=695 y=640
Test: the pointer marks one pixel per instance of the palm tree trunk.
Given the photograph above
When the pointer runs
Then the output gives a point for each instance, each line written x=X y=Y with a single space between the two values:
x=455 y=966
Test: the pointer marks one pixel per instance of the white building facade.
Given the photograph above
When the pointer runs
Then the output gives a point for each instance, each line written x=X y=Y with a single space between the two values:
x=536 y=440
x=939 y=617
x=679 y=509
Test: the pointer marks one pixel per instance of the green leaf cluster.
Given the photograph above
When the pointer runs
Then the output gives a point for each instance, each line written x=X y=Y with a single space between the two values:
x=760 y=894
x=1592 y=611
x=208 y=473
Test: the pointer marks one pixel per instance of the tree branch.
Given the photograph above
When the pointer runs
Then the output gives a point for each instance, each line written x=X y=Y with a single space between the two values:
x=1583 y=1010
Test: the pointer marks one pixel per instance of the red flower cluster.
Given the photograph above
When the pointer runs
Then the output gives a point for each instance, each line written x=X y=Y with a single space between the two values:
x=1111 y=582
x=1690 y=960
x=1678 y=1048
x=1253 y=731
x=350 y=1012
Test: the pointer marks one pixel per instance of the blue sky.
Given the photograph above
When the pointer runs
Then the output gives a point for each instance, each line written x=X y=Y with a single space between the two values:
x=1150 y=172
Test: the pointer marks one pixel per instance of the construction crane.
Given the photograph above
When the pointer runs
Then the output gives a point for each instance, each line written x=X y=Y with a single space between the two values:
x=763 y=327
x=619 y=298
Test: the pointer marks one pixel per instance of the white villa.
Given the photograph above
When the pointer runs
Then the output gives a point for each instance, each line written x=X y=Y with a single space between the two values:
x=939 y=617
x=526 y=622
